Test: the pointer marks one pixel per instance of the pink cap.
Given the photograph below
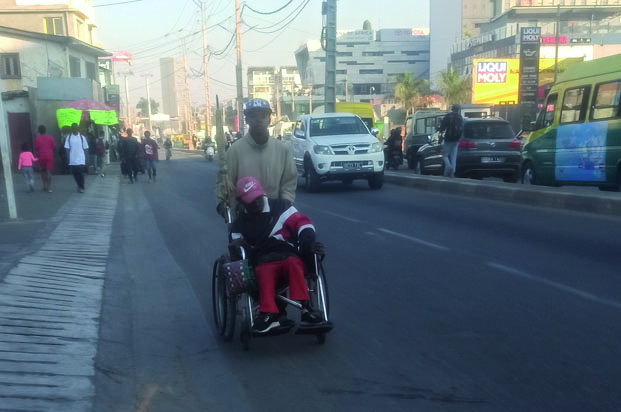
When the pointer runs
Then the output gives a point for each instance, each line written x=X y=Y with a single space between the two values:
x=248 y=189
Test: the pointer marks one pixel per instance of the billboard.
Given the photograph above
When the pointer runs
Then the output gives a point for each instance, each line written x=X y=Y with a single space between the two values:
x=497 y=80
x=530 y=42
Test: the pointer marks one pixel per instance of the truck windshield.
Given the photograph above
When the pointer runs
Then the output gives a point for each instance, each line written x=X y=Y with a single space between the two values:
x=337 y=125
x=488 y=130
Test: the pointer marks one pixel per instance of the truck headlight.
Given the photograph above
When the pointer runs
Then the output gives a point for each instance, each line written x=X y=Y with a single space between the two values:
x=322 y=150
x=375 y=147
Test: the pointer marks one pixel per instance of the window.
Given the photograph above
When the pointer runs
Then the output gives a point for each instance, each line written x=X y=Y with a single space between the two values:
x=91 y=71
x=408 y=125
x=341 y=72
x=79 y=29
x=299 y=127
x=575 y=105
x=367 y=88
x=9 y=63
x=371 y=71
x=336 y=126
x=607 y=101
x=74 y=67
x=53 y=25
x=546 y=117
x=488 y=130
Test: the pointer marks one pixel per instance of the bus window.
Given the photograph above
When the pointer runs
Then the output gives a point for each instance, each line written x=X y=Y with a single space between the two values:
x=607 y=101
x=546 y=116
x=575 y=105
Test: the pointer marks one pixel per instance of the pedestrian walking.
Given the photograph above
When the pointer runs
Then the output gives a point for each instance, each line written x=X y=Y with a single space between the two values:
x=25 y=166
x=149 y=148
x=452 y=125
x=129 y=150
x=44 y=145
x=62 y=152
x=101 y=150
x=260 y=156
x=92 y=153
x=77 y=147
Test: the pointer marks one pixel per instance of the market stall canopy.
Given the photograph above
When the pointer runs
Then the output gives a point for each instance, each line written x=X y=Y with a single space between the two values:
x=98 y=112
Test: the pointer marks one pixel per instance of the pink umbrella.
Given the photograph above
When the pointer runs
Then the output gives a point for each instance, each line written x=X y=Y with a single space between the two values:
x=86 y=105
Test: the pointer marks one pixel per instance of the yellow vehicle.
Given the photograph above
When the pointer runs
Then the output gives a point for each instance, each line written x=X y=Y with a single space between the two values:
x=576 y=139
x=363 y=110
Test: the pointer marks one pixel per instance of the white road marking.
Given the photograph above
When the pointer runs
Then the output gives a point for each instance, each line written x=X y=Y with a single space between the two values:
x=50 y=305
x=342 y=217
x=413 y=239
x=556 y=285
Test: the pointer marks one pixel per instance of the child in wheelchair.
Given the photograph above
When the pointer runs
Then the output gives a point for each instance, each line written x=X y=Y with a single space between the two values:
x=268 y=229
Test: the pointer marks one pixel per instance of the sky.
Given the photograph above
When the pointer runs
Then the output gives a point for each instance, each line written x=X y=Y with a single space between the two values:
x=151 y=29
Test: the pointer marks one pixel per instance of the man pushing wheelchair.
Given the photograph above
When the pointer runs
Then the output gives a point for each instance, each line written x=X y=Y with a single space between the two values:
x=269 y=230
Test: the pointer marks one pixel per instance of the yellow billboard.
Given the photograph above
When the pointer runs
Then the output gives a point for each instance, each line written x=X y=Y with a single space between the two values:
x=497 y=81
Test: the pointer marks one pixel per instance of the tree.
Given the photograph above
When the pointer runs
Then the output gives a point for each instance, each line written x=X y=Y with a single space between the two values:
x=409 y=90
x=144 y=110
x=455 y=88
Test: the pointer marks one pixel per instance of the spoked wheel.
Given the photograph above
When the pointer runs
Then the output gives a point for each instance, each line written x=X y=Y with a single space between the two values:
x=224 y=307
x=245 y=335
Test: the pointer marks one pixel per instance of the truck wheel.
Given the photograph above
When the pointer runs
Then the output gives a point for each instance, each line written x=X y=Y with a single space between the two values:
x=312 y=179
x=376 y=181
x=411 y=161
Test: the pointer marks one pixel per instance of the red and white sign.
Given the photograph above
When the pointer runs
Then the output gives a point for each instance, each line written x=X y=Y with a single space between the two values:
x=491 y=72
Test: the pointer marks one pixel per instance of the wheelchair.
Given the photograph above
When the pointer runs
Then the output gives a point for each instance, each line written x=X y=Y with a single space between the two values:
x=227 y=308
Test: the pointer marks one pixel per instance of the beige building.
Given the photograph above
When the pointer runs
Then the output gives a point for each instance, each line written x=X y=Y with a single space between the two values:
x=175 y=93
x=501 y=6
x=73 y=18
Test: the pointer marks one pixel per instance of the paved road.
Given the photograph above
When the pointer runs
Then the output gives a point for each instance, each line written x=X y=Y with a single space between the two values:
x=441 y=303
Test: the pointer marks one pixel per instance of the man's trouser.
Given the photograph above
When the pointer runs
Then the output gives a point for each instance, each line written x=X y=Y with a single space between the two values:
x=449 y=157
x=291 y=271
x=78 y=174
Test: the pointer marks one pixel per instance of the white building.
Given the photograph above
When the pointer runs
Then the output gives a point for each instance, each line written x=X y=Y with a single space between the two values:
x=368 y=62
x=39 y=72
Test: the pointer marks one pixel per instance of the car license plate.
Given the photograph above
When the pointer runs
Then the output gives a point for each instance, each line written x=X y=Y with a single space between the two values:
x=492 y=159
x=352 y=165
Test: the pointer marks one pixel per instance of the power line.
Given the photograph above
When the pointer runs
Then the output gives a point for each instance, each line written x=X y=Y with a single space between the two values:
x=297 y=9
x=116 y=4
x=269 y=12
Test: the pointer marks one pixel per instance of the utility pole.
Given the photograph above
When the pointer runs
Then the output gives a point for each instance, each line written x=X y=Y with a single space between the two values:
x=278 y=82
x=5 y=148
x=238 y=69
x=329 y=10
x=201 y=5
x=186 y=92
x=558 y=24
x=129 y=116
x=293 y=97
x=146 y=76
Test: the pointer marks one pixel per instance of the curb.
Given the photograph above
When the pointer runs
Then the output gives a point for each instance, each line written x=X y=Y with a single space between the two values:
x=551 y=197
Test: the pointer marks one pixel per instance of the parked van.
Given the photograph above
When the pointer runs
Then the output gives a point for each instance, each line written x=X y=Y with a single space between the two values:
x=576 y=139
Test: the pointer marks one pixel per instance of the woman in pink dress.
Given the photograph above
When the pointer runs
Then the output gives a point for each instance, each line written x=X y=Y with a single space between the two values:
x=44 y=147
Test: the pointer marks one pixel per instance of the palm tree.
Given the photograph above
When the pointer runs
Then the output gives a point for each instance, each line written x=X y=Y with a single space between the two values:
x=455 y=88
x=408 y=90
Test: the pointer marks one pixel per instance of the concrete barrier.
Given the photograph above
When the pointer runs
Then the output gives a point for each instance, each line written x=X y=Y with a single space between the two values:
x=567 y=198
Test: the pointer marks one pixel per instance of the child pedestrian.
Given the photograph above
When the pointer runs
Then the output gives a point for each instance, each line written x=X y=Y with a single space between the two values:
x=25 y=165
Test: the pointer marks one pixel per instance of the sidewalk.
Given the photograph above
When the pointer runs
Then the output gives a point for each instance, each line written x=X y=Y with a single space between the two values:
x=37 y=212
x=51 y=290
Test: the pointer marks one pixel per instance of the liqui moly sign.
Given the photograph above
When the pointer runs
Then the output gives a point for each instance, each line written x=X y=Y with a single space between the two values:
x=492 y=72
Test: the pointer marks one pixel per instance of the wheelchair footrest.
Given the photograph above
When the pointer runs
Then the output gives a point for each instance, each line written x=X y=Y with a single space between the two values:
x=314 y=329
x=280 y=330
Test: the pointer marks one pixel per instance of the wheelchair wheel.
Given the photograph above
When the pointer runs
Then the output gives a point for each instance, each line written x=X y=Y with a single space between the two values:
x=318 y=294
x=224 y=307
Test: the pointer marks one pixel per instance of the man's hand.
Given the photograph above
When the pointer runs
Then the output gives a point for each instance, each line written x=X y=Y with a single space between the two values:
x=318 y=248
x=221 y=209
x=237 y=243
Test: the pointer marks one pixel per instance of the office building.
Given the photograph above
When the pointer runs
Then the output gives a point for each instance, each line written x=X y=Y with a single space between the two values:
x=175 y=92
x=368 y=62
